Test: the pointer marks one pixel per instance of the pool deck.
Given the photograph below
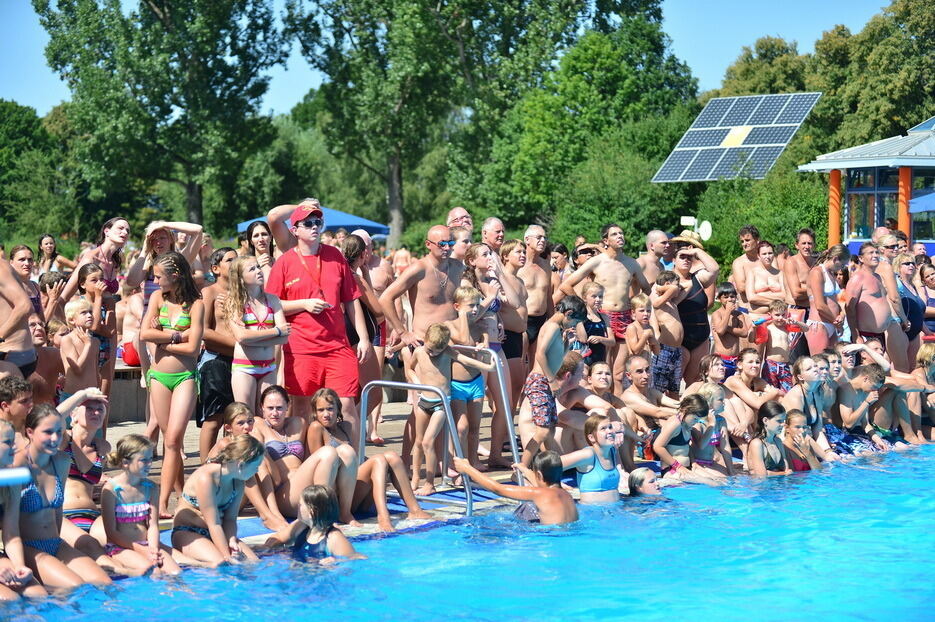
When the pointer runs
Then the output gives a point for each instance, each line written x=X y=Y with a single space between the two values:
x=391 y=429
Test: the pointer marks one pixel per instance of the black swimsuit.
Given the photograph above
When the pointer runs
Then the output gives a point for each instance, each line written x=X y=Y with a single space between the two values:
x=693 y=311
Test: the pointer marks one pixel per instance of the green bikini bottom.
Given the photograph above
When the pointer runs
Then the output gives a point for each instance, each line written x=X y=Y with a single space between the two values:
x=169 y=381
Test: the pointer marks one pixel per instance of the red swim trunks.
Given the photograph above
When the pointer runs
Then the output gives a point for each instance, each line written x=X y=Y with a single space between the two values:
x=619 y=320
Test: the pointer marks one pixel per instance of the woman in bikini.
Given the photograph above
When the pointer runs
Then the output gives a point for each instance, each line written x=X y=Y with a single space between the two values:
x=764 y=282
x=54 y=562
x=49 y=258
x=21 y=260
x=801 y=448
x=710 y=436
x=693 y=308
x=751 y=390
x=767 y=455
x=286 y=471
x=675 y=445
x=913 y=303
x=330 y=430
x=825 y=315
x=205 y=523
x=258 y=325
x=174 y=322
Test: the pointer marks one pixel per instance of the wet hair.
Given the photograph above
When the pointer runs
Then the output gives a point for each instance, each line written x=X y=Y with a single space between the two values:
x=693 y=404
x=437 y=335
x=637 y=479
x=84 y=272
x=249 y=236
x=241 y=448
x=507 y=247
x=548 y=464
x=925 y=357
x=640 y=301
x=38 y=413
x=466 y=294
x=74 y=307
x=749 y=230
x=470 y=256
x=218 y=256
x=725 y=289
x=706 y=362
x=48 y=280
x=274 y=388
x=591 y=424
x=778 y=306
x=570 y=363
x=12 y=387
x=572 y=306
x=873 y=372
x=797 y=367
x=234 y=410
x=353 y=247
x=126 y=447
x=665 y=277
x=708 y=390
x=838 y=253
x=174 y=263
x=331 y=397
x=322 y=505
x=768 y=410
x=116 y=256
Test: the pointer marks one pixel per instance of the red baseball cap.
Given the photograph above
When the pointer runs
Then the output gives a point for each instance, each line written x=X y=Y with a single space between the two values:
x=303 y=211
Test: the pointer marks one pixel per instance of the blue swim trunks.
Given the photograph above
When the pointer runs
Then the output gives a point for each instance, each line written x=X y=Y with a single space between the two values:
x=468 y=390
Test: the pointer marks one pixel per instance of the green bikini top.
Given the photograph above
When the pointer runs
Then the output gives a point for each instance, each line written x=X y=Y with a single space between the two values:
x=183 y=322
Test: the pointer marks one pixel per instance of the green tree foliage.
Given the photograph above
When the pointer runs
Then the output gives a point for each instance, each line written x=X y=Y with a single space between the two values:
x=772 y=65
x=169 y=91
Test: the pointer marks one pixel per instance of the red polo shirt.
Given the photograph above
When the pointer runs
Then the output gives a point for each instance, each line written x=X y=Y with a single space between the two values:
x=326 y=275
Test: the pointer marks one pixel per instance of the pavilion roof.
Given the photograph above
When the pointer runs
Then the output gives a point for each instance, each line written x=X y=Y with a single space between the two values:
x=916 y=148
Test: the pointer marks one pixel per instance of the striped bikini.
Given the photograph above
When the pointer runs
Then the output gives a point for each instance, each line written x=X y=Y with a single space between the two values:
x=251 y=321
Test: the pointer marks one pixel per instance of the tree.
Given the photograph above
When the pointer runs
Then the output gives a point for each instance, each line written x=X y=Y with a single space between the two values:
x=772 y=65
x=170 y=91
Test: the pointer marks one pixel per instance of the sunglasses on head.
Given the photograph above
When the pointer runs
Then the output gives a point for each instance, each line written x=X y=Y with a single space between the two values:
x=308 y=223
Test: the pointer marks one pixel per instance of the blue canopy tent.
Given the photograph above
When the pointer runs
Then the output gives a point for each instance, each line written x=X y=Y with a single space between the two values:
x=925 y=203
x=335 y=219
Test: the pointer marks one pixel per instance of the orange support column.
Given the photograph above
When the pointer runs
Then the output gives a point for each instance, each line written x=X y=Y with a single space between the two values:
x=905 y=193
x=834 y=207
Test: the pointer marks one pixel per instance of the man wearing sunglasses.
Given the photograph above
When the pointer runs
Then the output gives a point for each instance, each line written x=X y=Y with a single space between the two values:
x=433 y=280
x=317 y=287
x=616 y=272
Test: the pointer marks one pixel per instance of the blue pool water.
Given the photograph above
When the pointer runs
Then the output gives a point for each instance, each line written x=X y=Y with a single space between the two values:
x=850 y=543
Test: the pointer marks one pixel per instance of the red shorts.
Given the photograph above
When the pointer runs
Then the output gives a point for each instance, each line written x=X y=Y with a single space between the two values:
x=130 y=356
x=306 y=373
x=619 y=320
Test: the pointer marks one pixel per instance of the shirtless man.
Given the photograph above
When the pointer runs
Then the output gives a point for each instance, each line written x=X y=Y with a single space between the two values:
x=897 y=344
x=15 y=341
x=430 y=283
x=749 y=239
x=491 y=234
x=614 y=271
x=48 y=364
x=657 y=243
x=459 y=217
x=795 y=272
x=649 y=406
x=214 y=367
x=867 y=310
x=537 y=276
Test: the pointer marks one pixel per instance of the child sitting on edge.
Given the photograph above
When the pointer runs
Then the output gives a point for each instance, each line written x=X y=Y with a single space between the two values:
x=544 y=499
x=641 y=336
x=79 y=349
x=313 y=537
x=729 y=325
x=430 y=364
x=467 y=386
x=667 y=363
x=776 y=371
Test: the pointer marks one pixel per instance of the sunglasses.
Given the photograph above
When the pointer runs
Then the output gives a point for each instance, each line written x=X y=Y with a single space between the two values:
x=908 y=263
x=308 y=223
x=891 y=247
x=442 y=244
x=684 y=257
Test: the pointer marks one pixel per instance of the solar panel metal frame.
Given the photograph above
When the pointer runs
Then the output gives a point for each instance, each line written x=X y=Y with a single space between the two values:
x=765 y=125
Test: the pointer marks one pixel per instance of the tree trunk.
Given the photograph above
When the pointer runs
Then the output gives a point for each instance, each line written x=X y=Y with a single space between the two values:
x=394 y=192
x=193 y=202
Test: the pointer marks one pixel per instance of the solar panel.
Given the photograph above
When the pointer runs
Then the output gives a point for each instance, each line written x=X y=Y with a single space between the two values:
x=737 y=135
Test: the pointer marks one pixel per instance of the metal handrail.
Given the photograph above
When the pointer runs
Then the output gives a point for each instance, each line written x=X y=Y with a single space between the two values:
x=449 y=417
x=511 y=428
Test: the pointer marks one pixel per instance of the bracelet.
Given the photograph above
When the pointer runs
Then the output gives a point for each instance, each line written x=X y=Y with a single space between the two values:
x=176 y=337
x=278 y=332
x=675 y=466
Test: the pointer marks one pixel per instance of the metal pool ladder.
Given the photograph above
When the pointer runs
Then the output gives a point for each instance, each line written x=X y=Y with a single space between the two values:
x=468 y=502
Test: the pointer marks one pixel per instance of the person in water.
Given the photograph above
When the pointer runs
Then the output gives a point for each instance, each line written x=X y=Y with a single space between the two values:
x=313 y=537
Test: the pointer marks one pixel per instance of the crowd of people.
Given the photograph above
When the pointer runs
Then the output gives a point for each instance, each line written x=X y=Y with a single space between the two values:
x=615 y=369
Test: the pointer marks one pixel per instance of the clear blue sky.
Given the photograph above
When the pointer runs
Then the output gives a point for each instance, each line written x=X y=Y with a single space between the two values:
x=707 y=35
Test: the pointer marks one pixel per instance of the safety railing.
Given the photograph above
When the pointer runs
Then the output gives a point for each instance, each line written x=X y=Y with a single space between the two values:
x=449 y=418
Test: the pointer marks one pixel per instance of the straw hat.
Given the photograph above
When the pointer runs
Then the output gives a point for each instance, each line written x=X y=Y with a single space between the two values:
x=692 y=238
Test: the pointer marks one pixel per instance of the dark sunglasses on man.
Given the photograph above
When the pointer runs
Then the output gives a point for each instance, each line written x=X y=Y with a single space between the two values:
x=308 y=223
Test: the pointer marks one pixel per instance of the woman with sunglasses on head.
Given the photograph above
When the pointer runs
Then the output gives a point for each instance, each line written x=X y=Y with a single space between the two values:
x=897 y=340
x=913 y=304
x=693 y=306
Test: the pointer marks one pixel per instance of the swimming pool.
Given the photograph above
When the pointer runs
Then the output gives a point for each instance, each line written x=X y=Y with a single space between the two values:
x=850 y=543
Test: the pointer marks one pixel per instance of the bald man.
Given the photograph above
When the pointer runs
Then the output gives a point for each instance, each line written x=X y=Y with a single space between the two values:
x=459 y=217
x=491 y=234
x=537 y=277
x=430 y=283
x=657 y=243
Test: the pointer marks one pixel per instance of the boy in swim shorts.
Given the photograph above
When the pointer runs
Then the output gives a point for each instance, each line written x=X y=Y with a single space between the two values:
x=667 y=363
x=776 y=370
x=729 y=325
x=430 y=364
